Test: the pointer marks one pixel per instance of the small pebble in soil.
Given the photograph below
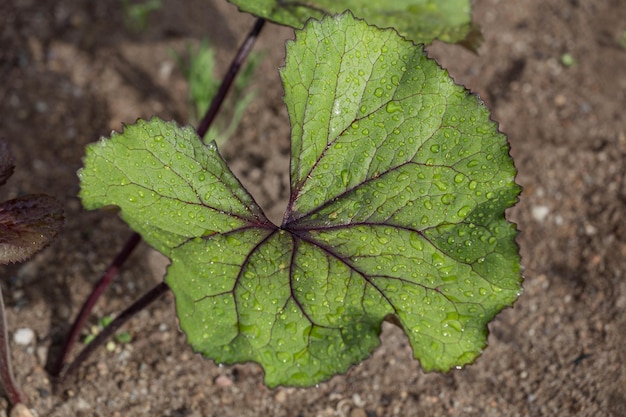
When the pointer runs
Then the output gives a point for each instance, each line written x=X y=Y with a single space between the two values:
x=540 y=213
x=358 y=401
x=223 y=381
x=24 y=336
x=20 y=410
x=42 y=354
x=281 y=396
x=358 y=412
x=82 y=404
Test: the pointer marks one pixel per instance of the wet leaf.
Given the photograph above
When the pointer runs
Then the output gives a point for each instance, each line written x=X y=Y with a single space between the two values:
x=422 y=21
x=399 y=183
x=28 y=223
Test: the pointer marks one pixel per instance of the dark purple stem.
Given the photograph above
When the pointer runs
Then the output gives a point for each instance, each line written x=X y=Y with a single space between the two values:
x=235 y=66
x=97 y=291
x=6 y=371
x=109 y=330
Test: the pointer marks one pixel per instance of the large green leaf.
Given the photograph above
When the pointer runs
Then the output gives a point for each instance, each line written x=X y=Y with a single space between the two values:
x=399 y=183
x=422 y=21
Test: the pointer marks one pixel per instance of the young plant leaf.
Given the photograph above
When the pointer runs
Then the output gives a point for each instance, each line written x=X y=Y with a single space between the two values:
x=399 y=183
x=27 y=223
x=422 y=21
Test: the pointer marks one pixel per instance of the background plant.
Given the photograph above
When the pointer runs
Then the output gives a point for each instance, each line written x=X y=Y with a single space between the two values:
x=137 y=13
x=198 y=67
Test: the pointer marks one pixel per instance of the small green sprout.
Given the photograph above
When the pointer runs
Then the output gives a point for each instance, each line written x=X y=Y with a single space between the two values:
x=136 y=14
x=122 y=337
x=568 y=60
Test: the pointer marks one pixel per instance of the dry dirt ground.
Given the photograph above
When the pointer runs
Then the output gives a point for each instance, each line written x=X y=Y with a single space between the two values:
x=70 y=72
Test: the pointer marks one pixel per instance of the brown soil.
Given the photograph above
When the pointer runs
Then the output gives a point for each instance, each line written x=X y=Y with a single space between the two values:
x=70 y=72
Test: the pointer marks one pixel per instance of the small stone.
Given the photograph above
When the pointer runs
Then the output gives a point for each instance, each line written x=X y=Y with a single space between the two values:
x=20 y=410
x=358 y=412
x=540 y=213
x=560 y=100
x=281 y=396
x=42 y=354
x=18 y=295
x=590 y=229
x=24 y=336
x=223 y=381
x=165 y=70
x=357 y=400
x=41 y=106
x=82 y=404
x=255 y=174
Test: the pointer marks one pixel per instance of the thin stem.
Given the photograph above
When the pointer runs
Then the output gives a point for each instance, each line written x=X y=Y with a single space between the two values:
x=7 y=379
x=97 y=291
x=109 y=330
x=235 y=66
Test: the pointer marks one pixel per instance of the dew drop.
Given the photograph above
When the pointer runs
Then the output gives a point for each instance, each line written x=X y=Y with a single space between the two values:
x=464 y=211
x=437 y=259
x=283 y=357
x=345 y=177
x=378 y=92
x=447 y=199
x=393 y=107
x=442 y=186
x=416 y=242
x=252 y=330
